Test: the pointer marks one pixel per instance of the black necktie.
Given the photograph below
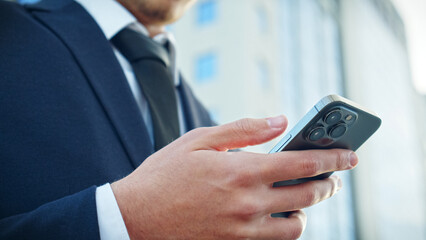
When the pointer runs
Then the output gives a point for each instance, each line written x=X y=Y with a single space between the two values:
x=150 y=62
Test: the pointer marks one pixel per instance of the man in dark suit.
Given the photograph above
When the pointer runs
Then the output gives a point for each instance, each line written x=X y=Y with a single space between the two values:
x=75 y=115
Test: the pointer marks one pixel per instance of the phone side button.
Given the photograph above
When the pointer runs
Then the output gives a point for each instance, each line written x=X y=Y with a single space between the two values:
x=285 y=142
x=281 y=144
x=288 y=139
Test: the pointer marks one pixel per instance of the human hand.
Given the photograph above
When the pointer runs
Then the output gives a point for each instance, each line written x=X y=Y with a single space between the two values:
x=194 y=189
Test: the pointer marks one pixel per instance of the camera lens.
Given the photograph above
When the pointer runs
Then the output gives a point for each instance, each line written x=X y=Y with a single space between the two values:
x=338 y=131
x=316 y=134
x=333 y=117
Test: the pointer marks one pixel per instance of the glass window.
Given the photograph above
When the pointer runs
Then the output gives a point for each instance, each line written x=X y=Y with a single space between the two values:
x=206 y=67
x=311 y=69
x=262 y=19
x=215 y=114
x=206 y=11
x=27 y=1
x=262 y=74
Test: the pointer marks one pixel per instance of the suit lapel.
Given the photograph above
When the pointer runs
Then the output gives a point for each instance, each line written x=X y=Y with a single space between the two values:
x=195 y=113
x=79 y=32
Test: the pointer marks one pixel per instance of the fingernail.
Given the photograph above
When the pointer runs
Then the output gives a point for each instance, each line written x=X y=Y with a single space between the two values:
x=353 y=159
x=339 y=184
x=276 y=122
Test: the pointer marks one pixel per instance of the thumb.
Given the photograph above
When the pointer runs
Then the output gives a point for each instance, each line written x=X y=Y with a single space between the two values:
x=242 y=133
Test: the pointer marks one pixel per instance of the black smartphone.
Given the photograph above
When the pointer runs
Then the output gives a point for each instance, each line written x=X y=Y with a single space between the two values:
x=334 y=122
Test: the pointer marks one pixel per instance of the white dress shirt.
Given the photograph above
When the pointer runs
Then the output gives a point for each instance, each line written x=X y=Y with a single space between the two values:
x=111 y=18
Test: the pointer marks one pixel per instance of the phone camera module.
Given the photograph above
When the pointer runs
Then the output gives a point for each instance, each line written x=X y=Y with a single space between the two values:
x=338 y=131
x=333 y=117
x=316 y=134
x=350 y=118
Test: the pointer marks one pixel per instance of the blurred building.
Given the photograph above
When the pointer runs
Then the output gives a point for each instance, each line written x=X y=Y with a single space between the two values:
x=257 y=58
x=231 y=53
x=390 y=182
x=254 y=58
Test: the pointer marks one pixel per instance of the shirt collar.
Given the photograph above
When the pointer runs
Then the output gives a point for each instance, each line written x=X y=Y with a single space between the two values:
x=102 y=10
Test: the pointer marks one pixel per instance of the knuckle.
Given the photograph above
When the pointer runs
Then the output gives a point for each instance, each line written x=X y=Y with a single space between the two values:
x=333 y=187
x=245 y=126
x=310 y=197
x=311 y=166
x=244 y=177
x=197 y=132
x=242 y=232
x=296 y=231
x=248 y=209
x=341 y=160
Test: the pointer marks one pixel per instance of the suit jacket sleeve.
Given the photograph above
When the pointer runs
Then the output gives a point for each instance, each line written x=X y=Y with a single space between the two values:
x=71 y=217
x=67 y=121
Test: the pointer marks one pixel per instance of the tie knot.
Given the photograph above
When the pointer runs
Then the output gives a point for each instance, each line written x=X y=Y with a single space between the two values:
x=136 y=46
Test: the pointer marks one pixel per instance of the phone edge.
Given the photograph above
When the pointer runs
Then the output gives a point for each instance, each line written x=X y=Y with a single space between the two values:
x=312 y=113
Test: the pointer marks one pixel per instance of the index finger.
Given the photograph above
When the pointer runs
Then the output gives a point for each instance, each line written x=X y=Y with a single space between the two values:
x=289 y=165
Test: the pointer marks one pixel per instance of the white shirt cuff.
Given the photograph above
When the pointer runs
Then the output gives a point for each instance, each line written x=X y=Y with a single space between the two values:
x=110 y=221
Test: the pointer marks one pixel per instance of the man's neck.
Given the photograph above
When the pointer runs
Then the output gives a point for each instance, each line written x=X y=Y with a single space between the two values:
x=154 y=30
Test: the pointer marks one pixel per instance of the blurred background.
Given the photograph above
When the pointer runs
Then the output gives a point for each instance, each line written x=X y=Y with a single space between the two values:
x=260 y=58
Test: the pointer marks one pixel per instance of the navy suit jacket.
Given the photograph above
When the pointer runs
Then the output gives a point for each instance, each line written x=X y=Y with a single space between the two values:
x=68 y=121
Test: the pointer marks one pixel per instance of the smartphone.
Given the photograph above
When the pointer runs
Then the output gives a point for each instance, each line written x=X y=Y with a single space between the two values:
x=334 y=122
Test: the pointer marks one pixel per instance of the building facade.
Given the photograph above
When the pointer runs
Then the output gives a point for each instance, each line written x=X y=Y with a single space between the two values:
x=256 y=58
x=390 y=183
